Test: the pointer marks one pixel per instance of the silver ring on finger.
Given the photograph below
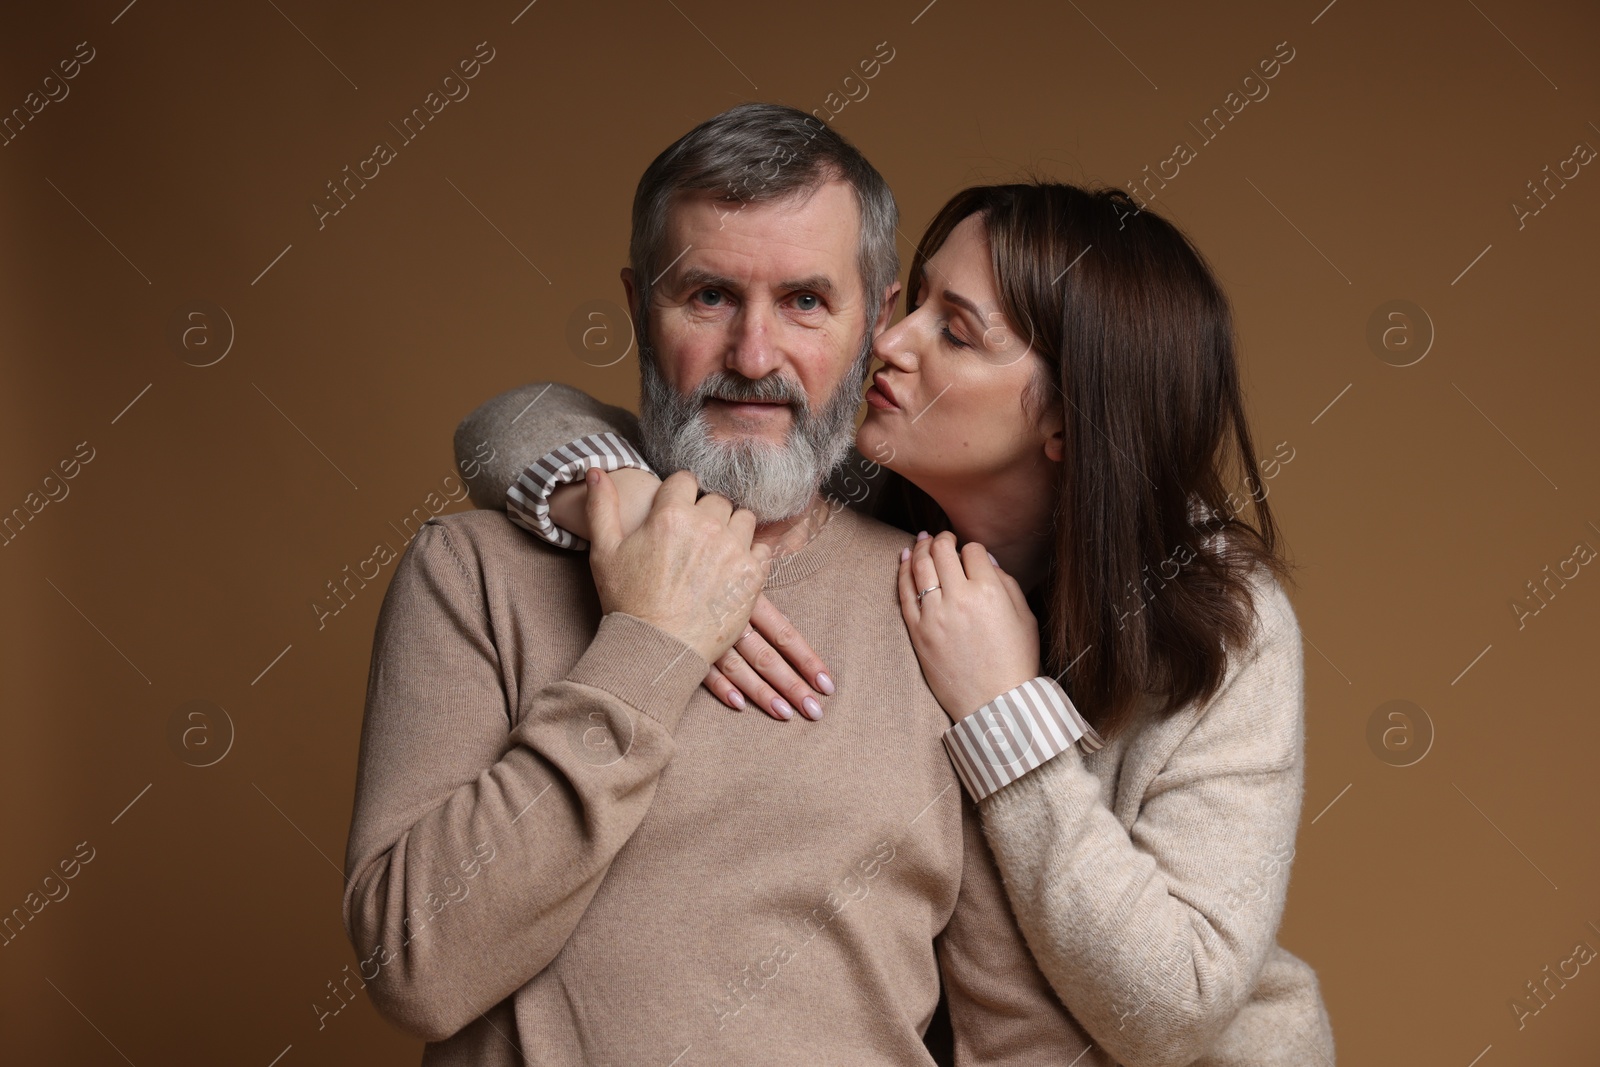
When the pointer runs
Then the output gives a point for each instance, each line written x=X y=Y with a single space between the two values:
x=925 y=592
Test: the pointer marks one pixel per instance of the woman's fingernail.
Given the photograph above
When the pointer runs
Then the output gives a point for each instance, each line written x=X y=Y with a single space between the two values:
x=813 y=709
x=781 y=709
x=825 y=684
x=922 y=536
x=736 y=698
x=993 y=560
x=905 y=554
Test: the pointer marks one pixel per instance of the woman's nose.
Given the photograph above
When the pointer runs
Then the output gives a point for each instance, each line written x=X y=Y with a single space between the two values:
x=895 y=346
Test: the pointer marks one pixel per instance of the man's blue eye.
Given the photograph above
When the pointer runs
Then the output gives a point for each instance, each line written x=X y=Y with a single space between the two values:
x=815 y=301
x=710 y=297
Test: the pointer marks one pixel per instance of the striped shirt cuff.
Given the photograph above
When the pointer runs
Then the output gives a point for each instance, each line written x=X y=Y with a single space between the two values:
x=528 y=499
x=1014 y=733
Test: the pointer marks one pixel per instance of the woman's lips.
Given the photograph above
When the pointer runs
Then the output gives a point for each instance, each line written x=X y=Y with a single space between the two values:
x=879 y=396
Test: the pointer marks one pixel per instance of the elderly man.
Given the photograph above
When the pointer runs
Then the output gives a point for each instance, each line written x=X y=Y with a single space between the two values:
x=563 y=849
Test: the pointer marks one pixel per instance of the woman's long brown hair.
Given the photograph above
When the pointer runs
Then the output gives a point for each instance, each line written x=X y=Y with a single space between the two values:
x=1140 y=599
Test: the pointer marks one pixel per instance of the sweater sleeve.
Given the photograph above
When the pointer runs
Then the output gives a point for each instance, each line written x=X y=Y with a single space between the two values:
x=475 y=846
x=1155 y=935
x=1003 y=1011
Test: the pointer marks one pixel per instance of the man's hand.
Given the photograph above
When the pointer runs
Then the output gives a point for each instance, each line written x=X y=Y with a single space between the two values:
x=691 y=569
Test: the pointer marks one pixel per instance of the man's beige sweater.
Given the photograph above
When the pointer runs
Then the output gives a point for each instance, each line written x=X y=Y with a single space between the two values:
x=1150 y=876
x=565 y=851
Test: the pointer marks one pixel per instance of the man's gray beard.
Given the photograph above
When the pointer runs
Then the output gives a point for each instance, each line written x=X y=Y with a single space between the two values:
x=774 y=481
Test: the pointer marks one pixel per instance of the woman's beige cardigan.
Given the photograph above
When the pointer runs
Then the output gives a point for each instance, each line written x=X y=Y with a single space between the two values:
x=1149 y=877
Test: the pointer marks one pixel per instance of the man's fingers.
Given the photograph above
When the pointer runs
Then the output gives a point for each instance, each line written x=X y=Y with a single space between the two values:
x=781 y=634
x=762 y=553
x=602 y=510
x=716 y=504
x=742 y=523
x=680 y=487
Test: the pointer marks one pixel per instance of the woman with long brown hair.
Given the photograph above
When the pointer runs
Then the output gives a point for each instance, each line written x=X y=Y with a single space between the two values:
x=1095 y=596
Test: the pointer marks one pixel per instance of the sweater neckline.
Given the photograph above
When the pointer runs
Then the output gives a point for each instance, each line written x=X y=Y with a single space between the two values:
x=828 y=544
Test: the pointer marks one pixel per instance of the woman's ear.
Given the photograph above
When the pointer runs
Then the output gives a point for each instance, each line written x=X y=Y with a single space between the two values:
x=1055 y=446
x=1052 y=430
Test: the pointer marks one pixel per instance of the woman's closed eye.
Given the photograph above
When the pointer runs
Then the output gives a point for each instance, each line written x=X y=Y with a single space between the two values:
x=951 y=338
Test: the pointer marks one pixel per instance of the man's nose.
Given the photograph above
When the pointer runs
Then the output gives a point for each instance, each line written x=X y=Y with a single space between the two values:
x=753 y=347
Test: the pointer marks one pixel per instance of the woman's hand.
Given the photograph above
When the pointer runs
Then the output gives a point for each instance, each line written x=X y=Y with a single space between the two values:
x=973 y=631
x=763 y=664
x=636 y=491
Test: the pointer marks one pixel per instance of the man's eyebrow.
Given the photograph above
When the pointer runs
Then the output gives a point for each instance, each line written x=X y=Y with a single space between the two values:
x=700 y=277
x=816 y=283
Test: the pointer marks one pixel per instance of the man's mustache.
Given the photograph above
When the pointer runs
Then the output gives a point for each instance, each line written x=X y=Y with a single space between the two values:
x=738 y=389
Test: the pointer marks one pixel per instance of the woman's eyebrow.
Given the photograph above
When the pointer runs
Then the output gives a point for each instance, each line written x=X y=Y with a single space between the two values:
x=962 y=302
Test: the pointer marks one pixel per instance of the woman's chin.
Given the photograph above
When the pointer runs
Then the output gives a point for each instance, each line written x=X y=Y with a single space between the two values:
x=874 y=440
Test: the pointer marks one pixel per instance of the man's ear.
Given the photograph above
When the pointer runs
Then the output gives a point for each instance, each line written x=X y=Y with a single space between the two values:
x=627 y=286
x=886 y=309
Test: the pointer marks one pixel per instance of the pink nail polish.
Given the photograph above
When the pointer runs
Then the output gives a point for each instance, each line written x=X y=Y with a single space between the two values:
x=736 y=698
x=905 y=554
x=922 y=535
x=781 y=709
x=813 y=709
x=825 y=684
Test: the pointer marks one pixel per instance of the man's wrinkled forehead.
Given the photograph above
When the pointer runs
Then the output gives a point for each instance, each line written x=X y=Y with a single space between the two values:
x=811 y=235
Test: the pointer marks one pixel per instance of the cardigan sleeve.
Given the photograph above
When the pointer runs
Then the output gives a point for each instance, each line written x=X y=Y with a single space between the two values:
x=1154 y=935
x=497 y=442
x=1015 y=733
x=476 y=845
x=528 y=499
x=516 y=448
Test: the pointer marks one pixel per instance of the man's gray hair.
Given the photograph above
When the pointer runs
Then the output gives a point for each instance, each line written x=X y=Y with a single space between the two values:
x=753 y=153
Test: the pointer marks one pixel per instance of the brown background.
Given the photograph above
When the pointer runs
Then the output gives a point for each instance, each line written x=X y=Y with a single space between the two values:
x=185 y=560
